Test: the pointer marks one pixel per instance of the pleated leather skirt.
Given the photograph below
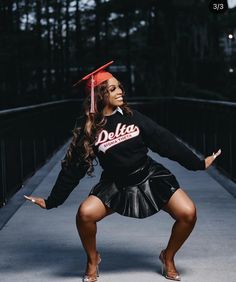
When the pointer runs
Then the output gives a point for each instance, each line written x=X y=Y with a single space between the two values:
x=139 y=194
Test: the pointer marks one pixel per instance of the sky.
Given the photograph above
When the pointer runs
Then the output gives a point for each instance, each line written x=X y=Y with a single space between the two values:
x=231 y=3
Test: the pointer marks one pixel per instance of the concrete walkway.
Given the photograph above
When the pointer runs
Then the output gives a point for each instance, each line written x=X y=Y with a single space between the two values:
x=40 y=245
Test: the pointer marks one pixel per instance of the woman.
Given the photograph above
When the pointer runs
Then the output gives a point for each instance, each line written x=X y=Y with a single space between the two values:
x=131 y=184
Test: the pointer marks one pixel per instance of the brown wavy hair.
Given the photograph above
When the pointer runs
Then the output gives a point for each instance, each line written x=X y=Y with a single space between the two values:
x=80 y=150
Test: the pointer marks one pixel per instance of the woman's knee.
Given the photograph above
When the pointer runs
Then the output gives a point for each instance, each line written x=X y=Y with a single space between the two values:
x=181 y=207
x=189 y=214
x=85 y=213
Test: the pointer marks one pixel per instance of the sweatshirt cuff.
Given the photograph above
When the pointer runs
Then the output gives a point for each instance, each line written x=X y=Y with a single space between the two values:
x=49 y=204
x=202 y=165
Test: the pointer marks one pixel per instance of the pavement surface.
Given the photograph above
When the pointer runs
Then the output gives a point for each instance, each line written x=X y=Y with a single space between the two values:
x=41 y=245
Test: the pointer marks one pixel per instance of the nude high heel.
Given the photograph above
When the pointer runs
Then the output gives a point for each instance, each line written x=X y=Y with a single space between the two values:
x=171 y=275
x=92 y=278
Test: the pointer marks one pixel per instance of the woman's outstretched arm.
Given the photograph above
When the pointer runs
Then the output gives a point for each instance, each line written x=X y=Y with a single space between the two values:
x=67 y=180
x=163 y=142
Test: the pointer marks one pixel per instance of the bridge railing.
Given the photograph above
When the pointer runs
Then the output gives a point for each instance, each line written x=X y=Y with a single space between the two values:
x=30 y=135
x=203 y=124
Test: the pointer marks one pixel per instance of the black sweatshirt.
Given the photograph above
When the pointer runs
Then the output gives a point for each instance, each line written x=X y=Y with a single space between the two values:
x=121 y=147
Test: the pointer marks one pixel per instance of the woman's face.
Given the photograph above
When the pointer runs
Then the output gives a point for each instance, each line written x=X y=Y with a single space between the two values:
x=116 y=94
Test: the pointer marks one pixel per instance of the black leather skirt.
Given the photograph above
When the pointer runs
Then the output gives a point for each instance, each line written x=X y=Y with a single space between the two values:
x=139 y=194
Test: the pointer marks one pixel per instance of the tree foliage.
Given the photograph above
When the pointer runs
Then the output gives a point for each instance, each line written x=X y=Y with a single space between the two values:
x=46 y=45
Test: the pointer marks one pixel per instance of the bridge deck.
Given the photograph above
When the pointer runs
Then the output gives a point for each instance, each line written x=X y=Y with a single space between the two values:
x=41 y=245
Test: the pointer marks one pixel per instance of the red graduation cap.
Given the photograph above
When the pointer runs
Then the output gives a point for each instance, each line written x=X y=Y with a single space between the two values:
x=94 y=79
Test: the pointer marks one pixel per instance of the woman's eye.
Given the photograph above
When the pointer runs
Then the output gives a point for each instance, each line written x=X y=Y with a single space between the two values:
x=112 y=89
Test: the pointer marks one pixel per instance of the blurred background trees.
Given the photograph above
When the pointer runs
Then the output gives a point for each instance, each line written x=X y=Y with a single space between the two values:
x=160 y=48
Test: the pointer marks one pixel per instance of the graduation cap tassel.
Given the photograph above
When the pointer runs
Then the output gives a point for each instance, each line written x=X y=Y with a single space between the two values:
x=92 y=96
x=94 y=79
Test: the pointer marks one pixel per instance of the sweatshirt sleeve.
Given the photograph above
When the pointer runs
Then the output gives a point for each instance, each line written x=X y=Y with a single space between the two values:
x=163 y=142
x=67 y=179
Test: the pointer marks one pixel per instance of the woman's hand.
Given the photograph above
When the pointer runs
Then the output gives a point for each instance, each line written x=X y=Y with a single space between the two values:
x=209 y=160
x=38 y=201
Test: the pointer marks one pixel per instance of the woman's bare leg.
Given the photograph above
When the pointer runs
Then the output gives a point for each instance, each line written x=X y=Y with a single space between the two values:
x=183 y=210
x=89 y=213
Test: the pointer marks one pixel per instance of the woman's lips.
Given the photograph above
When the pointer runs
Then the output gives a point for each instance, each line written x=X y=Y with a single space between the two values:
x=119 y=98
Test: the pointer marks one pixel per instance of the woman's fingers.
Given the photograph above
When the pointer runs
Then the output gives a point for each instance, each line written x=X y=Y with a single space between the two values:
x=210 y=159
x=215 y=155
x=30 y=198
x=38 y=201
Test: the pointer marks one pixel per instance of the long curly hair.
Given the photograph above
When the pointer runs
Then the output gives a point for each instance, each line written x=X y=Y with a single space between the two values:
x=81 y=147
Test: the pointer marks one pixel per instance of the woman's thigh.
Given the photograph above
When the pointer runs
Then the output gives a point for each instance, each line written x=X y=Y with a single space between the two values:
x=180 y=206
x=92 y=208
